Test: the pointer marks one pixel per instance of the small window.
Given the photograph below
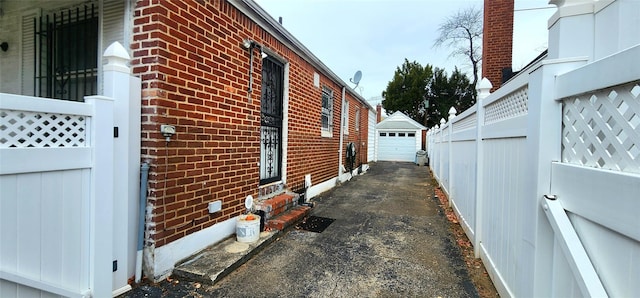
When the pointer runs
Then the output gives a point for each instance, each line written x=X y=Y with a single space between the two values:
x=327 y=111
x=411 y=134
x=401 y=134
x=392 y=134
x=383 y=134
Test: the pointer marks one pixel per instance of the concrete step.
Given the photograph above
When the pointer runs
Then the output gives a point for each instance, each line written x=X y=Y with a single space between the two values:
x=277 y=205
x=220 y=259
x=289 y=218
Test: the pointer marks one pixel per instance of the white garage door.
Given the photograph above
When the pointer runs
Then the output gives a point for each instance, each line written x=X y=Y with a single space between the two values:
x=397 y=146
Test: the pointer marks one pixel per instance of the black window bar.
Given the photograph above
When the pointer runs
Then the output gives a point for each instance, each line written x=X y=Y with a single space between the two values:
x=66 y=54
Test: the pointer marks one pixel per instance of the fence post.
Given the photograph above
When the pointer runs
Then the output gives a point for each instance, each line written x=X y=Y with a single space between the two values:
x=433 y=156
x=442 y=148
x=428 y=142
x=483 y=92
x=452 y=115
x=544 y=141
x=125 y=90
x=439 y=152
x=571 y=40
x=101 y=214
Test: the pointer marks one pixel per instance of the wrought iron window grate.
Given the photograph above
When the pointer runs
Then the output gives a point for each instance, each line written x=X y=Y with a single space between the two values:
x=66 y=54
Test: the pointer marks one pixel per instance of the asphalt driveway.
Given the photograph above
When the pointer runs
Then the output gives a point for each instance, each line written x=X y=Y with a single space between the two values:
x=389 y=239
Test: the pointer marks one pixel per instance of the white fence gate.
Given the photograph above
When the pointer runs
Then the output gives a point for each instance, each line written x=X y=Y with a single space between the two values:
x=59 y=235
x=55 y=210
x=597 y=180
x=545 y=172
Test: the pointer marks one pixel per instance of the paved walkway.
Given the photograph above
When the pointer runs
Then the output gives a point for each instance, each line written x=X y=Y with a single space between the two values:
x=388 y=240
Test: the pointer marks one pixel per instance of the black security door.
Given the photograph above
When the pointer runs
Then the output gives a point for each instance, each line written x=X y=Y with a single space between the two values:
x=271 y=120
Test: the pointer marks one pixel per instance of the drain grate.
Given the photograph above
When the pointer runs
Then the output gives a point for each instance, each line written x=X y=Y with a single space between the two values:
x=315 y=224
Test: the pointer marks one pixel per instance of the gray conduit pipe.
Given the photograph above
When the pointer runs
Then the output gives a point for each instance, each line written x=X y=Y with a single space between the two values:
x=341 y=133
x=144 y=174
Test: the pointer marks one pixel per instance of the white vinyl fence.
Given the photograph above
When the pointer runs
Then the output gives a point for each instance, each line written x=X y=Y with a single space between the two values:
x=53 y=190
x=57 y=192
x=544 y=175
x=493 y=160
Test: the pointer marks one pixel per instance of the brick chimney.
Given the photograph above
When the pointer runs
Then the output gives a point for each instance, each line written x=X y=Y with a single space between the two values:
x=378 y=113
x=497 y=40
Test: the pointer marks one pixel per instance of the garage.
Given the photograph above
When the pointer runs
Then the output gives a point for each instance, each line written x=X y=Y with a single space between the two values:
x=398 y=138
x=396 y=145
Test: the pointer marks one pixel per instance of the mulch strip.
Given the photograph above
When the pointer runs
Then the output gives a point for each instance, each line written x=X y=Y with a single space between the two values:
x=477 y=271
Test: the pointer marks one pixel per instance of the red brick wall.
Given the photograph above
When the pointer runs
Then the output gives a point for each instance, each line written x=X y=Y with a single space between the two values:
x=195 y=75
x=497 y=40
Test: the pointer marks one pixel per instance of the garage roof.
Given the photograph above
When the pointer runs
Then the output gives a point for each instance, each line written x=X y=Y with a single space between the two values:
x=399 y=120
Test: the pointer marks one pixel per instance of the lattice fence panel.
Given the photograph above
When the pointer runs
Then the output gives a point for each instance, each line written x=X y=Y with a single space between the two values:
x=513 y=105
x=19 y=129
x=602 y=129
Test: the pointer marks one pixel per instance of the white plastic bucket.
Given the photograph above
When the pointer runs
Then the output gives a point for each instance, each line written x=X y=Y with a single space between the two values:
x=248 y=230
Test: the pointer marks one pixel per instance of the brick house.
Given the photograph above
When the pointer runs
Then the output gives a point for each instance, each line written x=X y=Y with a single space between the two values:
x=194 y=60
x=255 y=112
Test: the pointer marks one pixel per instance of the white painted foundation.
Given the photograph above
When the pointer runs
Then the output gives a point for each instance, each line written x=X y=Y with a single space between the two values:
x=168 y=255
x=321 y=187
x=165 y=257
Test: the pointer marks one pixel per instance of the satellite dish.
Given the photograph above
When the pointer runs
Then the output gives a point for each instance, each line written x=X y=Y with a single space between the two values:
x=356 y=78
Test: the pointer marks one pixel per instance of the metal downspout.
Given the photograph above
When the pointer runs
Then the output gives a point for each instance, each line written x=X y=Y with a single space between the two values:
x=341 y=133
x=144 y=174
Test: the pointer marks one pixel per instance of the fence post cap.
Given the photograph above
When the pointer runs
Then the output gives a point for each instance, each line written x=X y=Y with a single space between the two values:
x=117 y=58
x=484 y=88
x=485 y=84
x=452 y=112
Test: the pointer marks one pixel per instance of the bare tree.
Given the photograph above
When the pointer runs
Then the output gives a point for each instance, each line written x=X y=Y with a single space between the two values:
x=463 y=33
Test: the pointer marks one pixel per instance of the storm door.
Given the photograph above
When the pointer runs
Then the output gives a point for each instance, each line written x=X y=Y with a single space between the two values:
x=271 y=120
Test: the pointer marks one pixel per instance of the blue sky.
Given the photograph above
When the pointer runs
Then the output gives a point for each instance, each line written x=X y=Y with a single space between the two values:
x=375 y=36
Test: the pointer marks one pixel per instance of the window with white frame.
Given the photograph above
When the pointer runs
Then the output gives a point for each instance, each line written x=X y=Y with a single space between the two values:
x=327 y=111
x=357 y=120
x=345 y=119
